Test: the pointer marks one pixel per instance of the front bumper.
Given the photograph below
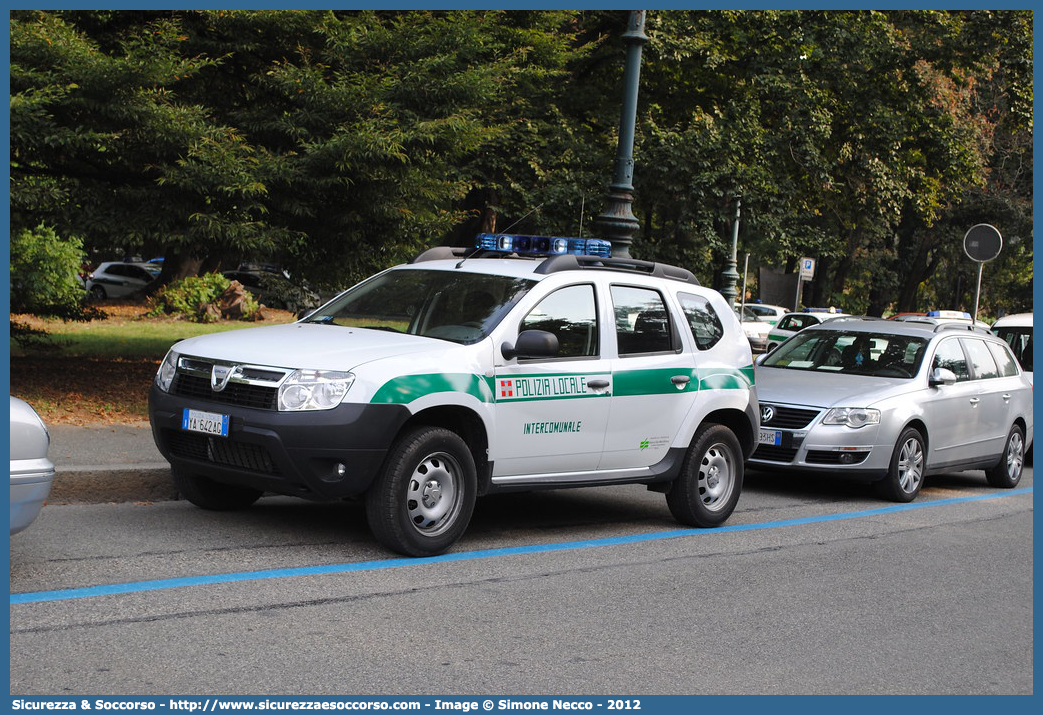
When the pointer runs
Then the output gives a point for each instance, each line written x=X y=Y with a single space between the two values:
x=31 y=481
x=831 y=450
x=758 y=343
x=294 y=453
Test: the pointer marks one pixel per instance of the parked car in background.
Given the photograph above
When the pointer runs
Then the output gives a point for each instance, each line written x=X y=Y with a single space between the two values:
x=275 y=290
x=756 y=329
x=32 y=474
x=1017 y=331
x=117 y=279
x=771 y=314
x=892 y=402
x=936 y=317
x=792 y=323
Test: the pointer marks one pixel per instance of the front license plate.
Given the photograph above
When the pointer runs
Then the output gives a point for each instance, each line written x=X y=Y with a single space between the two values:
x=205 y=422
x=770 y=436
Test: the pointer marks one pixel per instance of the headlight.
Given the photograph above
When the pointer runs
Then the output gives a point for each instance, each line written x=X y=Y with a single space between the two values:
x=167 y=369
x=313 y=390
x=854 y=417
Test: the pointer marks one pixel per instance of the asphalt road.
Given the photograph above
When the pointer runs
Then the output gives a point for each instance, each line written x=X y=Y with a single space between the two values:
x=812 y=588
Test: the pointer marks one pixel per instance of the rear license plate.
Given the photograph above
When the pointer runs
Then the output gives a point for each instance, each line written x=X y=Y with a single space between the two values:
x=205 y=422
x=770 y=436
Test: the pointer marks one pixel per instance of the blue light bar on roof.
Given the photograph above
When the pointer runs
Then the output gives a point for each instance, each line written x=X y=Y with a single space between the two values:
x=543 y=245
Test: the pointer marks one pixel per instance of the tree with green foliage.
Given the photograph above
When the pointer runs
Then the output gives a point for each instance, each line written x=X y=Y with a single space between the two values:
x=338 y=143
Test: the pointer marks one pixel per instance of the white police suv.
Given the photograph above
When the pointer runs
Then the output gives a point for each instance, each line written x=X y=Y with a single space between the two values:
x=528 y=363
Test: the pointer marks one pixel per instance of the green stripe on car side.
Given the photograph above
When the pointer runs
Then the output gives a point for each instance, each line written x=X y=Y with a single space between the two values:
x=403 y=390
x=626 y=383
x=660 y=380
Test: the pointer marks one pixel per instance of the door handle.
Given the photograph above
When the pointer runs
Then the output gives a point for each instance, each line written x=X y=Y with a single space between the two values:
x=1006 y=397
x=975 y=400
x=680 y=379
x=598 y=384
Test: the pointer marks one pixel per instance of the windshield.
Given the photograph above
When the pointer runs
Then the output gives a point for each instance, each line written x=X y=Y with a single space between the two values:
x=450 y=305
x=874 y=354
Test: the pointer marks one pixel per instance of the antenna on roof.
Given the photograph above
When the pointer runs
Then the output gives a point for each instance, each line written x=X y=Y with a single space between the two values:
x=582 y=203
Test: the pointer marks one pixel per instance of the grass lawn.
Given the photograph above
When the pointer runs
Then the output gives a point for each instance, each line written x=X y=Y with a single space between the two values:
x=125 y=333
x=100 y=371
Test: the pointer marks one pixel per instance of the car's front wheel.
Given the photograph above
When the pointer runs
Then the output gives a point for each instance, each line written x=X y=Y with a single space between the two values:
x=1007 y=472
x=98 y=293
x=905 y=475
x=707 y=490
x=422 y=501
x=208 y=494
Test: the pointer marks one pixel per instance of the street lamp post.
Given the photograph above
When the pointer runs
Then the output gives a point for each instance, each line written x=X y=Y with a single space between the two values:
x=730 y=274
x=618 y=223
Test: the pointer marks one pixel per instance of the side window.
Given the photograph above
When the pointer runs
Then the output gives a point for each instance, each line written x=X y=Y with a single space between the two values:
x=949 y=355
x=981 y=359
x=139 y=273
x=1004 y=360
x=571 y=314
x=1020 y=341
x=117 y=270
x=642 y=321
x=702 y=320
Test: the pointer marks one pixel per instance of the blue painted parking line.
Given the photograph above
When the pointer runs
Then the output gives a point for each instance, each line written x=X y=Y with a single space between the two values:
x=161 y=584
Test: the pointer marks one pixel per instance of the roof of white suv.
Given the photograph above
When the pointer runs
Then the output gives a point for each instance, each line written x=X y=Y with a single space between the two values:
x=1015 y=320
x=449 y=258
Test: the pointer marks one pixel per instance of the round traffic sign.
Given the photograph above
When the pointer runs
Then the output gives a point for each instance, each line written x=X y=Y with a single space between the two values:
x=982 y=243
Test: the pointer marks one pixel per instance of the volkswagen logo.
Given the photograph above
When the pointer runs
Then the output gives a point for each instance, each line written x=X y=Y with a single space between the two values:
x=767 y=413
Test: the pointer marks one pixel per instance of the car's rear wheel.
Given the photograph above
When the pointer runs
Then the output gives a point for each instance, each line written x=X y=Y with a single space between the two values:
x=707 y=490
x=1007 y=472
x=905 y=475
x=421 y=503
x=208 y=494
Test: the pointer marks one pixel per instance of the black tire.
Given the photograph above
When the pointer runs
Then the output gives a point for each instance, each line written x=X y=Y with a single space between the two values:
x=215 y=496
x=98 y=293
x=1007 y=472
x=905 y=475
x=707 y=489
x=424 y=497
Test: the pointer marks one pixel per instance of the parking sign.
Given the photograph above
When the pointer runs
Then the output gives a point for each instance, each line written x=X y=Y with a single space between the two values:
x=807 y=269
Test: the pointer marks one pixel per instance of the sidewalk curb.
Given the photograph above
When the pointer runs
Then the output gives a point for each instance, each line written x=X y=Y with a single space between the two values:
x=110 y=484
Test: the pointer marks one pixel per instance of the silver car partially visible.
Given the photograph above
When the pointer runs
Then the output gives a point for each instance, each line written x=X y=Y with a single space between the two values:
x=892 y=402
x=31 y=472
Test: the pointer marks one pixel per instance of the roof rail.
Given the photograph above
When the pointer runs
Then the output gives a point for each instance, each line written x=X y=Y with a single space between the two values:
x=569 y=262
x=962 y=326
x=439 y=253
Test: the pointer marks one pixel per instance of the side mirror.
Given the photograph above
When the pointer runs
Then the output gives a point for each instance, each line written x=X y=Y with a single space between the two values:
x=760 y=358
x=531 y=344
x=942 y=376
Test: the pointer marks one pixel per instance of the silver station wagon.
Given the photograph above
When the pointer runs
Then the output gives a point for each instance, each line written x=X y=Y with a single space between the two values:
x=890 y=403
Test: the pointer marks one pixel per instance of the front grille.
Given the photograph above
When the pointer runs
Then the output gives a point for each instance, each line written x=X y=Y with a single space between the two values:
x=220 y=450
x=833 y=457
x=788 y=417
x=235 y=393
x=770 y=453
